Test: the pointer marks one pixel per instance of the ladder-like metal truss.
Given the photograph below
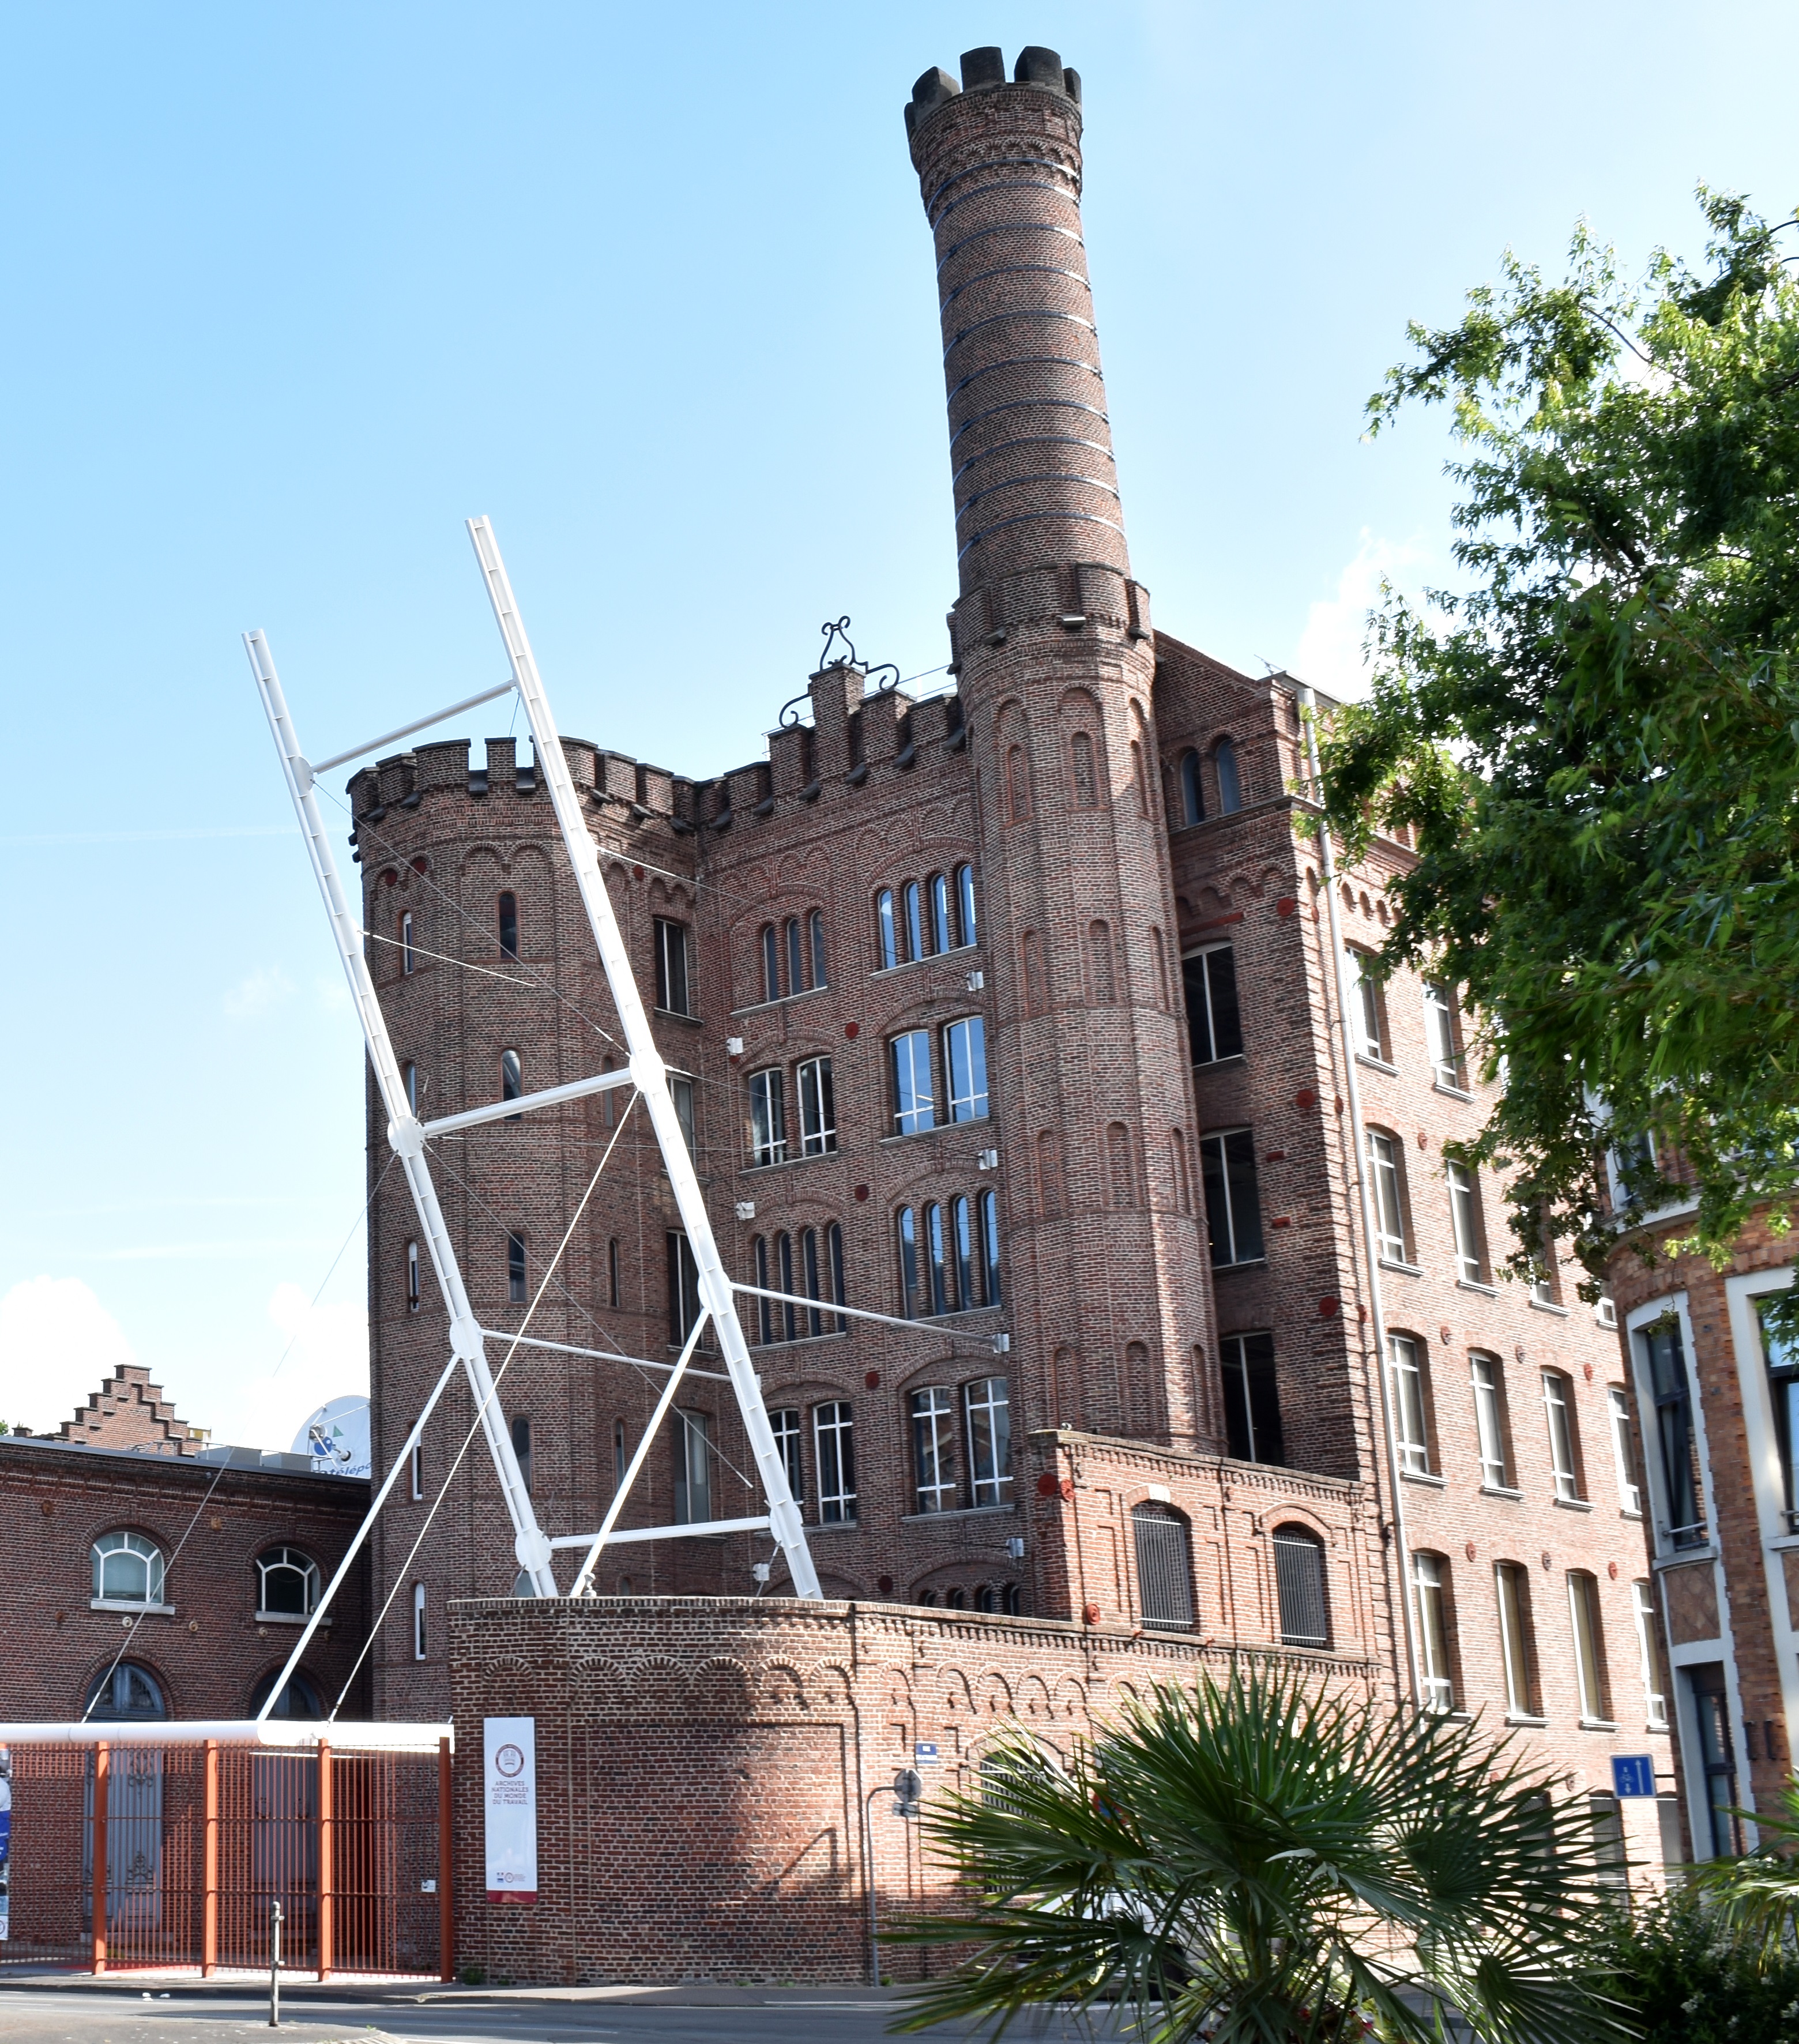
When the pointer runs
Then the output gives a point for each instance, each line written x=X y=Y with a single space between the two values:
x=409 y=1137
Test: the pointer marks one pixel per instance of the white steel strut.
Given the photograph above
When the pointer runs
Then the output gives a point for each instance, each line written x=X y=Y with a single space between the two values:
x=651 y=1074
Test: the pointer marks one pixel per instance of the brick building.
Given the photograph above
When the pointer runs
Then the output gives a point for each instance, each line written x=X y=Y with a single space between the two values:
x=1008 y=1007
x=151 y=1574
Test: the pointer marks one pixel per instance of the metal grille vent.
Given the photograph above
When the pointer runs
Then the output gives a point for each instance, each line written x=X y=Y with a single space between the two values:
x=1299 y=1580
x=1164 y=1569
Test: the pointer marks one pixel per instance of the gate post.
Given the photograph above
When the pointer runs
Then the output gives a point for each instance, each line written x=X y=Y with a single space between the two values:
x=210 y=1898
x=446 y=1891
x=102 y=1755
x=326 y=1927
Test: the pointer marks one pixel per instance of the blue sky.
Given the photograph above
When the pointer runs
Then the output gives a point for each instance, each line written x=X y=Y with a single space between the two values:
x=296 y=291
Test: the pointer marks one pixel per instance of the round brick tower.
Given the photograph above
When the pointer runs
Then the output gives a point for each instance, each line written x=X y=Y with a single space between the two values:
x=1055 y=658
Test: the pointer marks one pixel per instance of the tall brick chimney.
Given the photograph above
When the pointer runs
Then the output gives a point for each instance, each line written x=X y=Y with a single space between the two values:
x=1112 y=1296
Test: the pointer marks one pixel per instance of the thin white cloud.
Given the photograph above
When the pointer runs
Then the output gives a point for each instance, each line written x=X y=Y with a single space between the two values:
x=258 y=994
x=57 y=1344
x=1329 y=654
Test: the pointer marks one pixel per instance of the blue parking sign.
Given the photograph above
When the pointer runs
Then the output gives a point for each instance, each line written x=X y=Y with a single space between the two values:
x=1633 y=1774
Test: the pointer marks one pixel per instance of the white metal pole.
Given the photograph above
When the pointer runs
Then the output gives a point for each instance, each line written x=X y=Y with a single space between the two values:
x=646 y=1066
x=403 y=1131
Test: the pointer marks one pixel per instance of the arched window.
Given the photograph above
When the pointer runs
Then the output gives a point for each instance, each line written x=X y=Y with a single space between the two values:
x=512 y=1079
x=937 y=1262
x=967 y=1266
x=1192 y=798
x=840 y=1291
x=412 y=1278
x=1299 y=1585
x=1230 y=779
x=515 y=1293
x=126 y=1691
x=914 y=899
x=989 y=1243
x=521 y=1448
x=955 y=1600
x=287 y=1583
x=408 y=960
x=764 y=1307
x=770 y=963
x=789 y=1320
x=613 y=1298
x=814 y=1278
x=985 y=1599
x=942 y=937
x=886 y=936
x=1018 y=784
x=1164 y=1568
x=1086 y=786
x=815 y=923
x=796 y=955
x=964 y=903
x=298 y=1698
x=906 y=1227
x=509 y=926
x=127 y=1568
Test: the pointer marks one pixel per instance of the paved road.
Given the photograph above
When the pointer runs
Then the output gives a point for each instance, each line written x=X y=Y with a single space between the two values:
x=48 y=2015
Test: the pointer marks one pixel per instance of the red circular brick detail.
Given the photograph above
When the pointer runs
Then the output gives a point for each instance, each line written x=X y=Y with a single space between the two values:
x=1089 y=1613
x=1306 y=1097
x=636 y=873
x=1047 y=1485
x=1423 y=1140
x=1612 y=1570
x=1470 y=1549
x=872 y=1379
x=852 y=1029
x=861 y=1192
x=1328 y=1308
x=1286 y=905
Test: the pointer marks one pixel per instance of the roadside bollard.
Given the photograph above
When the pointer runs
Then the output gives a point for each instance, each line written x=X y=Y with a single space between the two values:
x=275 y=1965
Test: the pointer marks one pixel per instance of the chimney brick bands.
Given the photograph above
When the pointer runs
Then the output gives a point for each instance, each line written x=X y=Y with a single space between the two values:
x=1111 y=1302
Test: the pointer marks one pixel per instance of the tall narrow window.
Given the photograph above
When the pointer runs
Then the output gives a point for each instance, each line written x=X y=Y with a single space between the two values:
x=620 y=1458
x=1164 y=1558
x=1253 y=1401
x=833 y=1447
x=1367 y=1006
x=1209 y=978
x=907 y=1228
x=786 y=1429
x=521 y=1450
x=1299 y=1587
x=693 y=1468
x=1664 y=1358
x=1511 y=1584
x=818 y=1108
x=1406 y=1368
x=411 y=1277
x=943 y=934
x=614 y=1297
x=840 y=1290
x=1466 y=1220
x=962 y=1232
x=770 y=963
x=796 y=955
x=1430 y=1584
x=965 y=904
x=674 y=984
x=1782 y=1356
x=1193 y=799
x=609 y=1100
x=1489 y=1421
x=1589 y=1667
x=408 y=1072
x=813 y=1278
x=965 y=1055
x=419 y=1638
x=512 y=1079
x=1233 y=1213
x=1230 y=777
x=683 y=1288
x=886 y=936
x=1386 y=1182
x=407 y=958
x=1556 y=1395
x=937 y=1260
x=933 y=1450
x=1649 y=1657
x=815 y=927
x=515 y=1292
x=417 y=1472
x=789 y=1313
x=765 y=1282
x=1086 y=785
x=768 y=1118
x=1721 y=1834
x=1443 y=1032
x=912 y=896
x=915 y=1108
x=989 y=1244
x=988 y=1415
x=1624 y=1452
x=680 y=1095
x=509 y=926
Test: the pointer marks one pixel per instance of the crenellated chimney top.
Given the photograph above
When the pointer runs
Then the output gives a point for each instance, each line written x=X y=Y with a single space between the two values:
x=984 y=68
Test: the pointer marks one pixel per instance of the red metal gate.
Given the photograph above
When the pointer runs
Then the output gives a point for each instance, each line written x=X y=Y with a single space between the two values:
x=171 y=1856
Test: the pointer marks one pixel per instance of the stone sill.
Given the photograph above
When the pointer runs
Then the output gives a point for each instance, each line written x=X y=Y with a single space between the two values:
x=1469 y=1284
x=1523 y=1718
x=1545 y=1306
x=957 y=1512
x=1500 y=1490
x=1377 y=1064
x=288 y=1618
x=787 y=1163
x=1450 y=1091
x=910 y=965
x=1405 y=1269
x=1424 y=1476
x=131 y=1605
x=1572 y=1503
x=674 y=1014
x=1218 y=1064
x=1248 y=1263
x=1598 y=1724
x=936 y=1128
x=1684 y=1557
x=763 y=1006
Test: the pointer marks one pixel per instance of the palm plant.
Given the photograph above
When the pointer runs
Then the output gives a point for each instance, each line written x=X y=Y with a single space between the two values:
x=1257 y=1862
x=1757 y=1895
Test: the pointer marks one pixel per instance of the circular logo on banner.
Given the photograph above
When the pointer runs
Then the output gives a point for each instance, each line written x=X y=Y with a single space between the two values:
x=508 y=1761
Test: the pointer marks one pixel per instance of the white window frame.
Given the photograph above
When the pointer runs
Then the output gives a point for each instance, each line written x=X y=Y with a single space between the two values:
x=922 y=1114
x=768 y=1117
x=1367 y=1018
x=836 y=1486
x=932 y=1410
x=1466 y=1224
x=788 y=1426
x=1583 y=1591
x=986 y=1405
x=1410 y=1422
x=420 y=1634
x=1654 y=1701
x=293 y=1561
x=1624 y=1450
x=1448 y=1061
x=1559 y=1414
x=121 y=1540
x=408 y=958
x=1487 y=1374
x=1430 y=1588
x=965 y=1045
x=1386 y=1177
x=1510 y=1595
x=818 y=1107
x=668 y=932
x=417 y=1472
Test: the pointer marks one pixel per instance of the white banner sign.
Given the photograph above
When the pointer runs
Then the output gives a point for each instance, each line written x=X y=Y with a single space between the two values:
x=509 y=1797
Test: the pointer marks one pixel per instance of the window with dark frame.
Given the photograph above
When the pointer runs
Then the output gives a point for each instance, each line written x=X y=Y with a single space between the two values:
x=1164 y=1559
x=521 y=1449
x=795 y=932
x=515 y=1293
x=692 y=1444
x=417 y=1472
x=1209 y=980
x=1443 y=1032
x=833 y=1447
x=886 y=935
x=770 y=963
x=1192 y=797
x=509 y=926
x=1230 y=777
x=1557 y=1405
x=1367 y=1006
x=1233 y=1210
x=287 y=1582
x=683 y=1288
x=912 y=897
x=674 y=982
x=1299 y=1587
x=1487 y=1376
x=512 y=1079
x=815 y=925
x=968 y=923
x=1252 y=1404
x=408 y=959
x=412 y=1278
x=1664 y=1356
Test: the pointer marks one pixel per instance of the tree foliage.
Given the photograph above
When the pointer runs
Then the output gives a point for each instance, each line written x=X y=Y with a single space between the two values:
x=1686 y=1977
x=1257 y=1860
x=1596 y=739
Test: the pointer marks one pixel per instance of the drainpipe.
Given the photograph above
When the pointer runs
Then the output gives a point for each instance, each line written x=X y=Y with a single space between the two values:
x=1407 y=1673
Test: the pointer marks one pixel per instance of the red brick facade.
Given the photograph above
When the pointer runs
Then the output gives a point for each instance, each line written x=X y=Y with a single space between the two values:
x=1173 y=1217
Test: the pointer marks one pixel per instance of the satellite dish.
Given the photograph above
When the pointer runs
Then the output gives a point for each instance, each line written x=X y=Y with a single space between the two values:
x=335 y=1439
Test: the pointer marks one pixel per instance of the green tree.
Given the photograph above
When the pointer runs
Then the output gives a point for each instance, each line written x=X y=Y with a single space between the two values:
x=1757 y=1896
x=1257 y=1861
x=1596 y=739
